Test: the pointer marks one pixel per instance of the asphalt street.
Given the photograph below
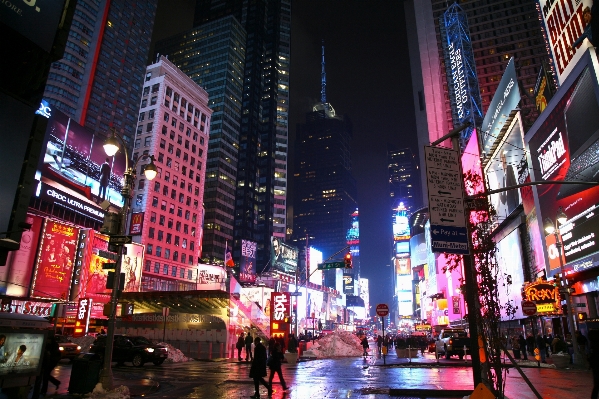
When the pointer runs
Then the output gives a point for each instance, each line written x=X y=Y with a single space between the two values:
x=333 y=378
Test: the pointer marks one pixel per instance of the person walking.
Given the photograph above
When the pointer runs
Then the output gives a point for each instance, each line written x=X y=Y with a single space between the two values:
x=258 y=368
x=522 y=343
x=365 y=345
x=248 y=348
x=292 y=344
x=379 y=343
x=274 y=364
x=581 y=340
x=51 y=359
x=530 y=344
x=240 y=344
x=516 y=347
x=540 y=344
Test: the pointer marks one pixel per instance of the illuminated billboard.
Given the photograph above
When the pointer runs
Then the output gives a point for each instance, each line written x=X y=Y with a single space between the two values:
x=562 y=146
x=510 y=278
x=565 y=24
x=402 y=247
x=75 y=158
x=247 y=264
x=353 y=235
x=21 y=352
x=404 y=295
x=402 y=266
x=401 y=225
x=314 y=258
x=283 y=257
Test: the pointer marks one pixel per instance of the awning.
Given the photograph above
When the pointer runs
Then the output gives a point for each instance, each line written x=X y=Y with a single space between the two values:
x=179 y=301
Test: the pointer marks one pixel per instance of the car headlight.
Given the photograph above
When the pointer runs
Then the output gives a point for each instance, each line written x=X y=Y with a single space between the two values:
x=149 y=350
x=61 y=348
x=78 y=348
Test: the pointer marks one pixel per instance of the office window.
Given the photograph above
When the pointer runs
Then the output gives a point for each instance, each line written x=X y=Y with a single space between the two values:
x=167 y=177
x=149 y=127
x=169 y=238
x=142 y=116
x=154 y=202
x=170 y=223
x=147 y=266
x=179 y=212
x=163 y=205
x=141 y=184
x=189 y=274
x=160 y=235
x=177 y=241
x=166 y=116
x=147 y=141
x=167 y=253
x=174 y=271
x=162 y=143
x=161 y=220
x=176 y=256
x=157 y=267
x=158 y=251
x=172 y=209
x=165 y=269
x=182 y=272
x=165 y=190
x=184 y=243
x=151 y=232
x=156 y=186
x=149 y=248
x=178 y=228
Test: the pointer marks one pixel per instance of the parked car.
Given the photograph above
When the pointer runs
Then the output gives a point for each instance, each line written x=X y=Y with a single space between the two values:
x=68 y=350
x=135 y=349
x=452 y=341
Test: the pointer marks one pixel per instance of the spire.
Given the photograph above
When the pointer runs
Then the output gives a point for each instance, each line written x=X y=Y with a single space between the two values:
x=323 y=76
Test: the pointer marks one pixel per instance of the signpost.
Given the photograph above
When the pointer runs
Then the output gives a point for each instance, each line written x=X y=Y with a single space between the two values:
x=331 y=265
x=446 y=201
x=529 y=308
x=120 y=240
x=382 y=310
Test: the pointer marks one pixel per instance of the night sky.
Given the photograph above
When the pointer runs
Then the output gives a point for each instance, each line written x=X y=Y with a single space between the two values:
x=368 y=80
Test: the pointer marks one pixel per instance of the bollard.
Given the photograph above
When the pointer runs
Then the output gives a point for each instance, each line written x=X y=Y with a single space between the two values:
x=465 y=352
x=209 y=350
x=222 y=350
x=199 y=349
x=232 y=352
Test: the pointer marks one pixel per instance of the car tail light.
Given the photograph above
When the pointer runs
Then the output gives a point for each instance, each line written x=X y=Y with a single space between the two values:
x=150 y=350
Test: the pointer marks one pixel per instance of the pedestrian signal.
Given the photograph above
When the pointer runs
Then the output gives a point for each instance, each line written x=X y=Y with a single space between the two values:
x=348 y=261
x=582 y=316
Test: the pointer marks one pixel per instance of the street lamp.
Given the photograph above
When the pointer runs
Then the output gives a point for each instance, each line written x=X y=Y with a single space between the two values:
x=111 y=147
x=553 y=228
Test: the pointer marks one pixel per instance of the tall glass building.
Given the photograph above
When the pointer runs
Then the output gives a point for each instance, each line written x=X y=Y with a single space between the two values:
x=213 y=56
x=98 y=81
x=404 y=175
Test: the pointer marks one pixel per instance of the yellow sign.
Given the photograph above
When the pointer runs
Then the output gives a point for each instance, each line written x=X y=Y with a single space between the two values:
x=537 y=354
x=384 y=349
x=546 y=307
x=482 y=392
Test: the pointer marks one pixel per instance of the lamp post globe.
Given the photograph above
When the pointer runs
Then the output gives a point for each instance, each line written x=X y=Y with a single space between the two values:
x=111 y=145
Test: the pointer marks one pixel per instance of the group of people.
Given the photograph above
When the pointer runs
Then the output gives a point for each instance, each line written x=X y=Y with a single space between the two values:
x=262 y=359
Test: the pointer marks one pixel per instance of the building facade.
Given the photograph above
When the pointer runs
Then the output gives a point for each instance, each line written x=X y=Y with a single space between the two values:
x=213 y=56
x=173 y=126
x=404 y=179
x=98 y=81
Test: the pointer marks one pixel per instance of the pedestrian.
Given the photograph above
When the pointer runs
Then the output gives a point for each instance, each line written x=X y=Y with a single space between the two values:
x=248 y=348
x=581 y=340
x=379 y=343
x=516 y=347
x=258 y=368
x=51 y=359
x=365 y=345
x=271 y=345
x=239 y=345
x=547 y=339
x=292 y=344
x=523 y=348
x=274 y=364
x=530 y=344
x=540 y=345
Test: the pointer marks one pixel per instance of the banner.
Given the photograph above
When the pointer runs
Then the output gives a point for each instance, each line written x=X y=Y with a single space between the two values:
x=283 y=257
x=137 y=223
x=247 y=268
x=132 y=266
x=54 y=266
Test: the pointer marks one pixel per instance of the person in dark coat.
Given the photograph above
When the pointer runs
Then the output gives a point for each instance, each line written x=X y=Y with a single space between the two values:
x=248 y=348
x=258 y=368
x=276 y=358
x=522 y=343
x=365 y=345
x=292 y=344
x=240 y=344
x=540 y=343
x=51 y=359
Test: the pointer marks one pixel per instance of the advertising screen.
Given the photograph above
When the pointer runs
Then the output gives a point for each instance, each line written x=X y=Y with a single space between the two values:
x=348 y=283
x=401 y=225
x=418 y=253
x=283 y=257
x=211 y=277
x=353 y=236
x=75 y=156
x=564 y=24
x=315 y=257
x=132 y=266
x=404 y=295
x=54 y=268
x=564 y=148
x=247 y=268
x=21 y=352
x=365 y=293
x=402 y=247
x=502 y=170
x=510 y=279
x=402 y=266
x=16 y=275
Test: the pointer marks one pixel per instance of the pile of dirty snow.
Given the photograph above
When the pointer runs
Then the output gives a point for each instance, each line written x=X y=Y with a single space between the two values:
x=337 y=344
x=121 y=392
x=174 y=354
x=83 y=342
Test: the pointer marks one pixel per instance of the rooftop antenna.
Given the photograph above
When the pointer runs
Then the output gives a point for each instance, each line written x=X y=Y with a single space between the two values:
x=323 y=76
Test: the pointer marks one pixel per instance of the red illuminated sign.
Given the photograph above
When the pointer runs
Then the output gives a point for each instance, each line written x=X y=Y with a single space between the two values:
x=137 y=223
x=280 y=314
x=82 y=317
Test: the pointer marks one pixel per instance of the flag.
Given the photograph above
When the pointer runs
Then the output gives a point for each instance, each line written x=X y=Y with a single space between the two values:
x=228 y=257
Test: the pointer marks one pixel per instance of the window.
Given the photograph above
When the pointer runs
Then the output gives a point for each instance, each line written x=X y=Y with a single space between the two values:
x=187 y=213
x=193 y=231
x=148 y=75
x=176 y=241
x=172 y=209
x=169 y=238
x=160 y=235
x=189 y=187
x=142 y=116
x=174 y=122
x=174 y=271
x=156 y=186
x=166 y=116
x=172 y=135
x=182 y=183
x=170 y=148
x=153 y=100
x=147 y=266
x=176 y=166
x=155 y=88
x=153 y=217
x=147 y=140
x=149 y=248
x=173 y=194
x=194 y=218
x=179 y=139
x=160 y=157
x=192 y=245
x=164 y=129
x=165 y=269
x=178 y=153
x=137 y=143
x=146 y=90
x=181 y=197
x=141 y=184
x=186 y=229
x=163 y=205
x=170 y=223
x=149 y=127
x=151 y=114
x=167 y=253
x=188 y=202
x=144 y=103
x=165 y=190
x=156 y=267
x=176 y=256
x=184 y=243
x=151 y=232
x=169 y=162
x=158 y=251
x=169 y=91
x=188 y=132
x=162 y=143
x=167 y=176
x=190 y=273
x=154 y=202
x=161 y=220
x=183 y=259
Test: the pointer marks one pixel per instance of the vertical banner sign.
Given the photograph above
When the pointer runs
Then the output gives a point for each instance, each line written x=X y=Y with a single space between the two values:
x=455 y=301
x=82 y=317
x=54 y=269
x=80 y=256
x=137 y=223
x=280 y=311
x=247 y=268
x=132 y=266
x=565 y=24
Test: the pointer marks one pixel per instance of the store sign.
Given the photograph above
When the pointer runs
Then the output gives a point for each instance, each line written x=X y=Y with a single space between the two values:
x=544 y=294
x=455 y=301
x=82 y=317
x=56 y=196
x=280 y=314
x=80 y=253
x=137 y=223
x=247 y=263
x=43 y=309
x=564 y=24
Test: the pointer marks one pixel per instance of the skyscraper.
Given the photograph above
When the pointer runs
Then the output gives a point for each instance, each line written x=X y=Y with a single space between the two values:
x=261 y=198
x=325 y=190
x=403 y=179
x=213 y=55
x=98 y=81
x=498 y=30
x=174 y=124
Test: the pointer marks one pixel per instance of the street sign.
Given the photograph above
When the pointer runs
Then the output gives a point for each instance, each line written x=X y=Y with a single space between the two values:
x=529 y=308
x=299 y=293
x=109 y=266
x=382 y=309
x=108 y=255
x=477 y=204
x=331 y=265
x=446 y=200
x=120 y=240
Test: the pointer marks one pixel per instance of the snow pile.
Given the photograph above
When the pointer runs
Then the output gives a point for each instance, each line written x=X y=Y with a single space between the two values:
x=121 y=392
x=337 y=344
x=174 y=354
x=83 y=342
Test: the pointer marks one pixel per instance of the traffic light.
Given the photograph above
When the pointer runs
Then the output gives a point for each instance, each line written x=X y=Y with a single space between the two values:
x=582 y=316
x=347 y=260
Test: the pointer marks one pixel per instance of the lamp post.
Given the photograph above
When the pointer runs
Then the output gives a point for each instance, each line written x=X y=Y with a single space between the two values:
x=111 y=147
x=553 y=228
